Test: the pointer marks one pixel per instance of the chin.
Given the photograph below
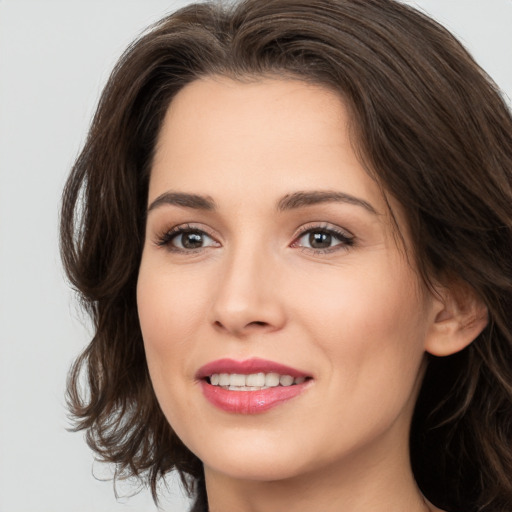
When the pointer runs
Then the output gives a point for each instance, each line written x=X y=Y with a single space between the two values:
x=253 y=457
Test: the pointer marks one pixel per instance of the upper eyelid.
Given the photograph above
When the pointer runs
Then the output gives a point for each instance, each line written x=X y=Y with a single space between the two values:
x=192 y=226
x=335 y=229
x=323 y=226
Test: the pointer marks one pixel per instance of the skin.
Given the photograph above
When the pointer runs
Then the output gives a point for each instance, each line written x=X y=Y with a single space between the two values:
x=355 y=316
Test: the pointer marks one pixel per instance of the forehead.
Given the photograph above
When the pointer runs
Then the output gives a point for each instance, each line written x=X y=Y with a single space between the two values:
x=261 y=133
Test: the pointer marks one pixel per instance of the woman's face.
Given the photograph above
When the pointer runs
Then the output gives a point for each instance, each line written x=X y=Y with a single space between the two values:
x=267 y=244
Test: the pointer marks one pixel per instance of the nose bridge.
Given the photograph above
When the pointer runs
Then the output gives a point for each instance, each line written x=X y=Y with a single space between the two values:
x=245 y=297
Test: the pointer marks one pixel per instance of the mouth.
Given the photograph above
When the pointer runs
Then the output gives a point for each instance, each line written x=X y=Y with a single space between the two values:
x=251 y=386
x=253 y=381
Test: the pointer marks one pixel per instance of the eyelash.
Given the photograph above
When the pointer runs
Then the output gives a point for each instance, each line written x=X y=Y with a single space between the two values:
x=345 y=239
x=166 y=238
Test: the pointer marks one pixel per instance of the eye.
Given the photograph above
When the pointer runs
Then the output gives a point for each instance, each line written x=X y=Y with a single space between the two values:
x=323 y=239
x=191 y=240
x=186 y=239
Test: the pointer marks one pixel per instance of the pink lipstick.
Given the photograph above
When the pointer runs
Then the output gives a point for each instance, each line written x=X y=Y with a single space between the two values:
x=252 y=386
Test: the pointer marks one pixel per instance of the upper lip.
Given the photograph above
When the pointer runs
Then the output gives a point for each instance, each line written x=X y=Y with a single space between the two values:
x=246 y=367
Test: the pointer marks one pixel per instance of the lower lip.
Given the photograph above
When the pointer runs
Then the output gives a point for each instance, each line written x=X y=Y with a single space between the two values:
x=250 y=402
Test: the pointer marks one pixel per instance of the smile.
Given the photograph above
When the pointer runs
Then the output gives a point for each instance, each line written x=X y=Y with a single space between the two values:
x=253 y=381
x=252 y=386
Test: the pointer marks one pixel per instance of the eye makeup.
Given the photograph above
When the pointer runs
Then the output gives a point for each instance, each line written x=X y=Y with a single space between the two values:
x=323 y=238
x=317 y=238
x=186 y=238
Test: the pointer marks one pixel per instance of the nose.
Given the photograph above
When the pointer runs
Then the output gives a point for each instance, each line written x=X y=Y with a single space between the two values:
x=248 y=298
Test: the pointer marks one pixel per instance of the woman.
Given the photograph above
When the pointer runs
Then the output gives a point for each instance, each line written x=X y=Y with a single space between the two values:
x=292 y=226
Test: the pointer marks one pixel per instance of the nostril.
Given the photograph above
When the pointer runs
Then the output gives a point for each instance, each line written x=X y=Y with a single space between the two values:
x=241 y=329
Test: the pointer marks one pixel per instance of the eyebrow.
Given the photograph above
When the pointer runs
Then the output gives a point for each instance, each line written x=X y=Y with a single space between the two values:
x=182 y=199
x=288 y=202
x=301 y=199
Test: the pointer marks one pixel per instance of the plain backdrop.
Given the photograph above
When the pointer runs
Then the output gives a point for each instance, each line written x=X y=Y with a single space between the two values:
x=54 y=58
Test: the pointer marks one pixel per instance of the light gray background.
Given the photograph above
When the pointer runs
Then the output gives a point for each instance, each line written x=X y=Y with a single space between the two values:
x=54 y=58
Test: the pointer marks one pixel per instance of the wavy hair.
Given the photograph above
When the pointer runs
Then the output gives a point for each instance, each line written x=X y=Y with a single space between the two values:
x=431 y=127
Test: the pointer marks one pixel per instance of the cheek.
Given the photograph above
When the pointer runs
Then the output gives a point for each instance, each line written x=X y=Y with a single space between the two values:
x=371 y=324
x=370 y=331
x=170 y=305
x=170 y=308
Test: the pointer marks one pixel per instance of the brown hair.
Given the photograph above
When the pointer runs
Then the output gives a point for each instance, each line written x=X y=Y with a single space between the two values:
x=431 y=127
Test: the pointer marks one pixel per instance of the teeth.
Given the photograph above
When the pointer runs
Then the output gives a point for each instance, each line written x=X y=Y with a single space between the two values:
x=272 y=380
x=285 y=380
x=245 y=388
x=253 y=381
x=237 y=380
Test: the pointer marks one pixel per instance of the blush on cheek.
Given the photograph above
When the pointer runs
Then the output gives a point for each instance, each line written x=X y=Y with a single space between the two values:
x=167 y=309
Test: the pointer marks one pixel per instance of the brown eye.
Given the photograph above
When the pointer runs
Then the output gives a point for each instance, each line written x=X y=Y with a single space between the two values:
x=191 y=239
x=320 y=240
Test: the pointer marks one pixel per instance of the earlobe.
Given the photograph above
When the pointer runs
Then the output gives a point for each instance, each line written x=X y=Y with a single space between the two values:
x=459 y=316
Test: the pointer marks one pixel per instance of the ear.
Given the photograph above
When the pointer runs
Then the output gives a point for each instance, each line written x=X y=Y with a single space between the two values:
x=459 y=316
